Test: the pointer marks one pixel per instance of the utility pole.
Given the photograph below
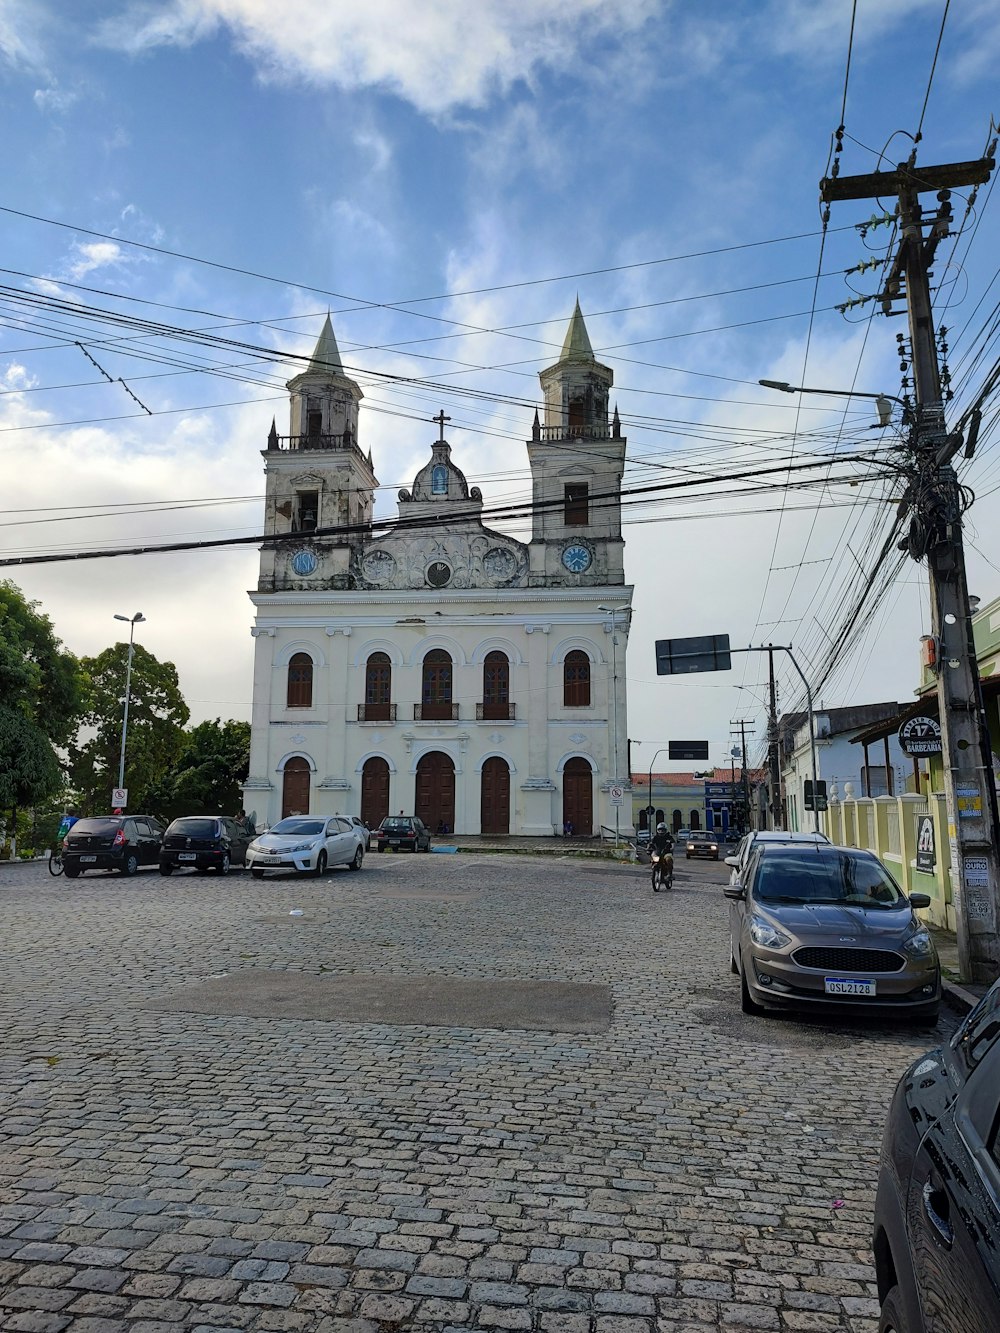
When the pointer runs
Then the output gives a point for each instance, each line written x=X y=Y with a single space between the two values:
x=773 y=764
x=936 y=501
x=744 y=776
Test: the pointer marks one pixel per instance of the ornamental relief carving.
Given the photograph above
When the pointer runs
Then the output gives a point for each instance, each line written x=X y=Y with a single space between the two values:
x=441 y=560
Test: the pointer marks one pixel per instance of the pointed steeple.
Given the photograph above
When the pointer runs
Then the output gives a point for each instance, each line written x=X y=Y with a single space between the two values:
x=576 y=346
x=326 y=355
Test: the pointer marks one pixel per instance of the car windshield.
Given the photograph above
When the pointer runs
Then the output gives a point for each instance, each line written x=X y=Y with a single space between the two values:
x=303 y=827
x=826 y=875
x=195 y=828
x=397 y=825
x=701 y=837
x=96 y=825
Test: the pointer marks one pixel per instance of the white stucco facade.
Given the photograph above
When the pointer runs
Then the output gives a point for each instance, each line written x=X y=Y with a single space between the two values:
x=442 y=667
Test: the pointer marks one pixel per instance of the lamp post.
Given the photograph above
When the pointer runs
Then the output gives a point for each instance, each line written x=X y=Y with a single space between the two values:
x=612 y=611
x=132 y=621
x=649 y=807
x=882 y=400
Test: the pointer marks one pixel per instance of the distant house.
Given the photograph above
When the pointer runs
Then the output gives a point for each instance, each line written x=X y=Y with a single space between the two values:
x=838 y=761
x=692 y=800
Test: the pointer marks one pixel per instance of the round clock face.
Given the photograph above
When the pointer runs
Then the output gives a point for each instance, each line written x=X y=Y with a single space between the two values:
x=577 y=558
x=304 y=563
x=438 y=574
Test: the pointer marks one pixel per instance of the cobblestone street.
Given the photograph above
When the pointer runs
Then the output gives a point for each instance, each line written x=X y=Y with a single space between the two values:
x=165 y=1169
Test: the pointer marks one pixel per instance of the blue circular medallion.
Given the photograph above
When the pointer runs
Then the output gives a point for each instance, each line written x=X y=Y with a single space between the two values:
x=304 y=563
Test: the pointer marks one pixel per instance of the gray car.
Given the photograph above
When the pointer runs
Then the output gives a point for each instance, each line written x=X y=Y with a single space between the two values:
x=828 y=927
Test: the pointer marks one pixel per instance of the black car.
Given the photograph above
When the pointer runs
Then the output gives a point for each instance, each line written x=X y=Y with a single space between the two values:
x=204 y=842
x=937 y=1212
x=405 y=833
x=112 y=842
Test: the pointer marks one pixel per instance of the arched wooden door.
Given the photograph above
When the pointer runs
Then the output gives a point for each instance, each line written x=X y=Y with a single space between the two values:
x=578 y=797
x=374 y=791
x=494 y=811
x=295 y=787
x=436 y=790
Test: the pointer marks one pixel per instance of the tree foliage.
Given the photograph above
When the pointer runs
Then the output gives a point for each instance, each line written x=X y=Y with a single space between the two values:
x=155 y=740
x=207 y=776
x=29 y=769
x=38 y=677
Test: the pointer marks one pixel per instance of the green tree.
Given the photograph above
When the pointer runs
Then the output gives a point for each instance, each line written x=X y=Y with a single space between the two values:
x=207 y=776
x=156 y=718
x=40 y=698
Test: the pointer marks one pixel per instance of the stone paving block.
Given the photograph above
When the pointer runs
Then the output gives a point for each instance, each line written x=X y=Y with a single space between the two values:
x=99 y=1279
x=268 y=1293
x=36 y=1321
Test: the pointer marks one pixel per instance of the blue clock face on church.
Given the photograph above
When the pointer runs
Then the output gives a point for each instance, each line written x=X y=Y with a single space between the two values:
x=577 y=558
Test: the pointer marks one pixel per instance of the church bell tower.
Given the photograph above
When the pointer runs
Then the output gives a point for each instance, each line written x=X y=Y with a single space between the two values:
x=577 y=457
x=317 y=478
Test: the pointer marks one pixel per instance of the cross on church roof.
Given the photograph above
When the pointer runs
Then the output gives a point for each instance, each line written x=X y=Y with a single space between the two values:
x=441 y=419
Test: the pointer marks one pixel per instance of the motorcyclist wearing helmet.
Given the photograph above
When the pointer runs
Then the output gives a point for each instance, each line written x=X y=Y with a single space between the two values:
x=663 y=840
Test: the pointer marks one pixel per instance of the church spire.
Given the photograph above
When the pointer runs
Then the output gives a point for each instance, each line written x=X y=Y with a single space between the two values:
x=326 y=354
x=576 y=346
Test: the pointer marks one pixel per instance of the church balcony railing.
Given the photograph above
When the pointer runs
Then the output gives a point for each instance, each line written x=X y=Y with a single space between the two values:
x=495 y=712
x=435 y=712
x=376 y=712
x=591 y=432
x=313 y=443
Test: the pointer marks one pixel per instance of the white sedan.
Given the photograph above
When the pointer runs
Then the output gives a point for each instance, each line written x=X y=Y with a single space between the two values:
x=308 y=844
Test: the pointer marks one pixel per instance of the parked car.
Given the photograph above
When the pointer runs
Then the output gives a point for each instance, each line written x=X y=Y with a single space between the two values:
x=203 y=842
x=700 y=843
x=681 y=834
x=404 y=832
x=309 y=844
x=937 y=1210
x=820 y=926
x=112 y=842
x=740 y=859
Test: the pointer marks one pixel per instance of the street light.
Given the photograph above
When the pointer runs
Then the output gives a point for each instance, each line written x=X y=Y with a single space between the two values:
x=132 y=621
x=649 y=807
x=612 y=611
x=882 y=400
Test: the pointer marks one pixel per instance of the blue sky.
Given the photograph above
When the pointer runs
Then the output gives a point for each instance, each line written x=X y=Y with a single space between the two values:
x=382 y=159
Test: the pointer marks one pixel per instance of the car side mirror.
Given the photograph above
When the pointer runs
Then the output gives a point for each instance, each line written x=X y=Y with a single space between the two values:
x=920 y=900
x=733 y=861
x=734 y=891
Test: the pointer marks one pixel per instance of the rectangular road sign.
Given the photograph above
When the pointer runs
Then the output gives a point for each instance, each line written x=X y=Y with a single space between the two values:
x=676 y=657
x=687 y=749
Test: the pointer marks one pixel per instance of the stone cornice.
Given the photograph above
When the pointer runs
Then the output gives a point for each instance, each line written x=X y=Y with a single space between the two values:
x=344 y=601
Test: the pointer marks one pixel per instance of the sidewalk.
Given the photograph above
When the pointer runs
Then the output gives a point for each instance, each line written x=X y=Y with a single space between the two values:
x=960 y=995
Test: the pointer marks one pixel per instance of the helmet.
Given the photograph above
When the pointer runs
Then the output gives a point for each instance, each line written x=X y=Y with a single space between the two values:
x=661 y=828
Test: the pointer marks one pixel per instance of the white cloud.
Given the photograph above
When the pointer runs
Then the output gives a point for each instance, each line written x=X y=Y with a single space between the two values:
x=438 y=54
x=20 y=44
x=94 y=255
x=55 y=99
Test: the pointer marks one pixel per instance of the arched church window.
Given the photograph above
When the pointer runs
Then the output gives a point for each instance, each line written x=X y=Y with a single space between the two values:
x=436 y=685
x=378 y=687
x=300 y=681
x=576 y=680
x=439 y=480
x=496 y=686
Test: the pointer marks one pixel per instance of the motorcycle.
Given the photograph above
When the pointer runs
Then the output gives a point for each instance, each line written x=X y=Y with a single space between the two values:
x=662 y=871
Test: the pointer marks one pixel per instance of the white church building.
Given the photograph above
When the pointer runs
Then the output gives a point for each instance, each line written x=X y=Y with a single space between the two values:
x=443 y=668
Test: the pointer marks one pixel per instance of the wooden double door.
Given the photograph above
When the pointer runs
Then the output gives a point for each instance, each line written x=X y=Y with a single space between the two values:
x=295 y=784
x=435 y=801
x=494 y=800
x=578 y=797
x=374 y=791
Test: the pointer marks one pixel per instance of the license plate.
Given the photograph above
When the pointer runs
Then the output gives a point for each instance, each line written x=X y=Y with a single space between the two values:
x=186 y=856
x=269 y=858
x=845 y=986
x=393 y=842
x=88 y=858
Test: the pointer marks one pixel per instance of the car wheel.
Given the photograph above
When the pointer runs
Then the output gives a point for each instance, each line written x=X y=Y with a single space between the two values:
x=130 y=865
x=223 y=866
x=320 y=865
x=359 y=857
x=381 y=849
x=746 y=1002
x=733 y=966
x=166 y=868
x=71 y=872
x=892 y=1318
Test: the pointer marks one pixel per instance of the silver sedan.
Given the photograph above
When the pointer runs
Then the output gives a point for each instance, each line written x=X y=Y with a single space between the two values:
x=309 y=844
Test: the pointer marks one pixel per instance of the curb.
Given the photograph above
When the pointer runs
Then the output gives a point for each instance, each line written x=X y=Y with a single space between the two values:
x=957 y=997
